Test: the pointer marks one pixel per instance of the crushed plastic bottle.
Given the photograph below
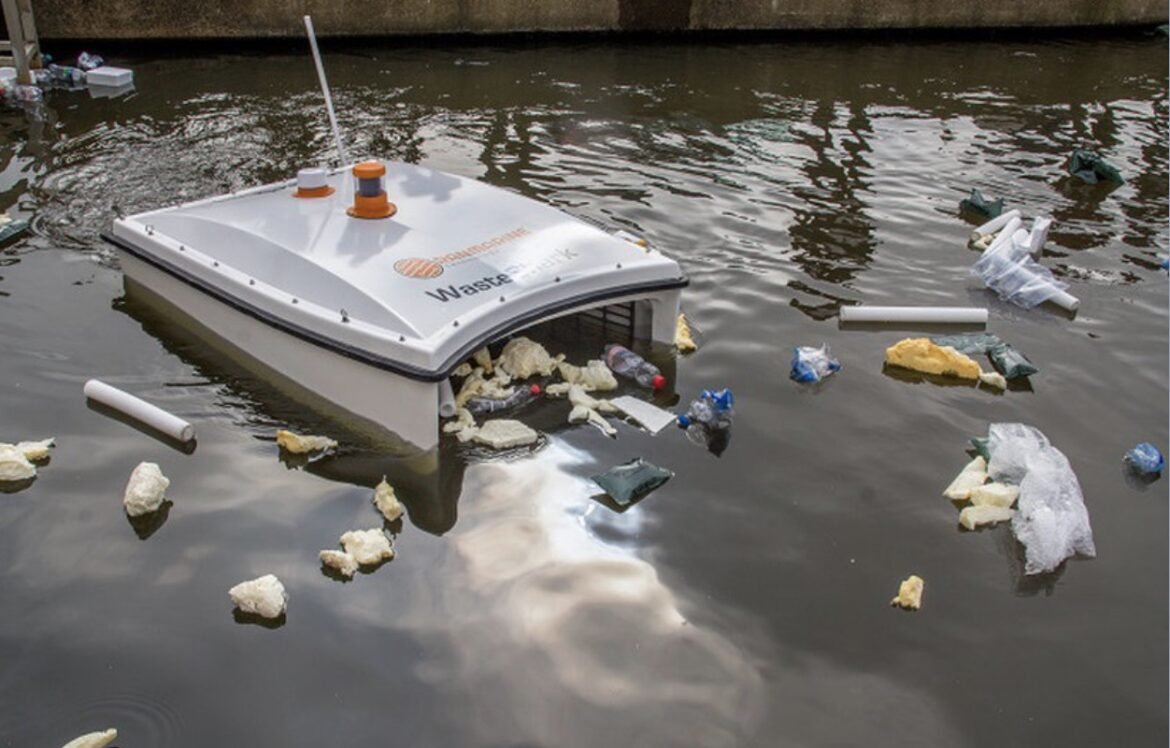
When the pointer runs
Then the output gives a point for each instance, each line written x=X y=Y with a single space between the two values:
x=88 y=62
x=481 y=405
x=64 y=75
x=708 y=415
x=625 y=363
x=1145 y=459
x=811 y=364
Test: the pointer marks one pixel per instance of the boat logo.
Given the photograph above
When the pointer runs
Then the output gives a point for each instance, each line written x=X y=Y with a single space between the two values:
x=418 y=267
x=415 y=267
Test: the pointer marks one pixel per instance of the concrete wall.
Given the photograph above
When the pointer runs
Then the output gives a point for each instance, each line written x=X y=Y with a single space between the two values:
x=191 y=19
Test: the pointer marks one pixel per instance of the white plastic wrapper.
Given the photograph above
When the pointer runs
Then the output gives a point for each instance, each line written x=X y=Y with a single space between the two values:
x=1052 y=522
x=146 y=490
x=368 y=546
x=264 y=596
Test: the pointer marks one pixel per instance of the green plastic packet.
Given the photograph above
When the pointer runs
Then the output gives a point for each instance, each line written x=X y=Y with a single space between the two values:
x=1010 y=362
x=982 y=447
x=1091 y=168
x=631 y=480
x=968 y=343
x=979 y=204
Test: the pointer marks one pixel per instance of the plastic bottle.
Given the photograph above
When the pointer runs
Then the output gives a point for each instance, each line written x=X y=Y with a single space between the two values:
x=66 y=75
x=481 y=405
x=30 y=94
x=710 y=412
x=625 y=363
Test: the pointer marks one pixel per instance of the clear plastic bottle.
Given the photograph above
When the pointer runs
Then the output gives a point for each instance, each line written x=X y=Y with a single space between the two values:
x=88 y=62
x=480 y=405
x=625 y=363
x=710 y=412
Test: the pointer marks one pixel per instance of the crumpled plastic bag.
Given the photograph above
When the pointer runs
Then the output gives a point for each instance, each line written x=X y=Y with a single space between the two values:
x=811 y=364
x=631 y=480
x=1145 y=459
x=1052 y=522
x=979 y=204
x=1089 y=167
x=1012 y=273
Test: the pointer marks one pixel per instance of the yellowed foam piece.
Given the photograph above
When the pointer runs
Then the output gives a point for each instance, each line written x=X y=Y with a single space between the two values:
x=33 y=451
x=145 y=490
x=993 y=379
x=522 y=358
x=386 y=502
x=578 y=396
x=94 y=739
x=972 y=476
x=263 y=596
x=298 y=444
x=504 y=433
x=340 y=561
x=368 y=546
x=483 y=357
x=995 y=494
x=462 y=370
x=984 y=514
x=910 y=593
x=476 y=386
x=920 y=354
x=683 y=340
x=594 y=375
x=580 y=414
x=14 y=465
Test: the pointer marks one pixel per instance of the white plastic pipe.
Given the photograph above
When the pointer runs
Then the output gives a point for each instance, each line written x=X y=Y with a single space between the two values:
x=325 y=89
x=1005 y=234
x=995 y=224
x=446 y=399
x=1038 y=235
x=140 y=410
x=939 y=315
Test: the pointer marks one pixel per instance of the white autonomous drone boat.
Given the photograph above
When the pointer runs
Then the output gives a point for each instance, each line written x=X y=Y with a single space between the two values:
x=368 y=285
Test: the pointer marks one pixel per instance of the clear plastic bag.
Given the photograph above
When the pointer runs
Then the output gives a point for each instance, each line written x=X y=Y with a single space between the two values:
x=811 y=364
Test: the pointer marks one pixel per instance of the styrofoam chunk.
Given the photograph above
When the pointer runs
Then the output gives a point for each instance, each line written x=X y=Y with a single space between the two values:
x=993 y=379
x=594 y=375
x=298 y=444
x=368 y=546
x=340 y=561
x=14 y=465
x=386 y=502
x=984 y=514
x=263 y=596
x=504 y=433
x=995 y=494
x=35 y=451
x=972 y=476
x=909 y=593
x=483 y=357
x=145 y=490
x=522 y=358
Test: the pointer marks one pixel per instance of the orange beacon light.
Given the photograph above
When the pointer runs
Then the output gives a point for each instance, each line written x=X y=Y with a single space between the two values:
x=370 y=201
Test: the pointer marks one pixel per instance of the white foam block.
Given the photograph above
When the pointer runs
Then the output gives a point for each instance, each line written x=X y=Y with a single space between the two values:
x=109 y=77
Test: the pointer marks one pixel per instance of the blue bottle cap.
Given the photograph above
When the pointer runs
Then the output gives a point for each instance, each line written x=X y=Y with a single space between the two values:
x=683 y=421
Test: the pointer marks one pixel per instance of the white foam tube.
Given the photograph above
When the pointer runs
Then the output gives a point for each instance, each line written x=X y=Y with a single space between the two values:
x=140 y=410
x=1005 y=234
x=446 y=399
x=1039 y=235
x=941 y=315
x=995 y=224
x=1065 y=300
x=325 y=88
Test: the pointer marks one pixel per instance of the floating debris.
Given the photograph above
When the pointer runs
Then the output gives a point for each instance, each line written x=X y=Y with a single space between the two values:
x=631 y=480
x=483 y=358
x=463 y=426
x=976 y=203
x=340 y=562
x=909 y=595
x=972 y=476
x=94 y=739
x=683 y=340
x=386 y=502
x=594 y=375
x=984 y=514
x=367 y=546
x=920 y=354
x=1090 y=168
x=264 y=596
x=34 y=451
x=1144 y=459
x=145 y=490
x=649 y=416
x=297 y=444
x=995 y=494
x=522 y=358
x=811 y=364
x=993 y=379
x=503 y=433
x=14 y=466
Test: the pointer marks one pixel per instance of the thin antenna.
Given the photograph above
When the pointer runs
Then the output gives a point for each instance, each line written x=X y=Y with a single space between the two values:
x=325 y=89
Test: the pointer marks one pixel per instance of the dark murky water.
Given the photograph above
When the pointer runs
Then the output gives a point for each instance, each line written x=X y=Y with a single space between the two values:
x=745 y=602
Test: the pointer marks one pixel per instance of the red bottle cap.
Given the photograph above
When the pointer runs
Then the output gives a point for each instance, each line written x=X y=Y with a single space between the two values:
x=534 y=389
x=658 y=382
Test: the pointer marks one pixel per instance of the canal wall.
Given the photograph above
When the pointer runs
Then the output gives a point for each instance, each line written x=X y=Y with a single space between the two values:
x=228 y=19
